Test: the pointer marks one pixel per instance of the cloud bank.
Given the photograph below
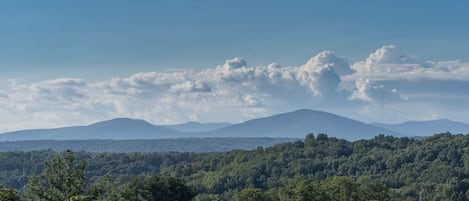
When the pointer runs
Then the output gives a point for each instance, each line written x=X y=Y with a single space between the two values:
x=386 y=86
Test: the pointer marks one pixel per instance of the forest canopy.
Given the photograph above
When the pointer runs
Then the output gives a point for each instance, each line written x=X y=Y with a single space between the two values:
x=316 y=168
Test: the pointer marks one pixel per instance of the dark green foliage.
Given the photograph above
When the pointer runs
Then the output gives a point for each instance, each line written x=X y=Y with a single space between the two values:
x=370 y=189
x=158 y=188
x=62 y=179
x=7 y=194
x=339 y=188
x=254 y=194
x=398 y=168
x=150 y=145
x=301 y=189
x=318 y=168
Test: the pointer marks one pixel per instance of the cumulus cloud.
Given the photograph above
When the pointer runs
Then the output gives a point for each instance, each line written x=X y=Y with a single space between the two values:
x=391 y=78
x=237 y=62
x=62 y=88
x=234 y=91
x=59 y=93
x=190 y=86
x=329 y=59
x=390 y=54
x=388 y=74
x=321 y=74
x=387 y=59
x=320 y=80
x=367 y=90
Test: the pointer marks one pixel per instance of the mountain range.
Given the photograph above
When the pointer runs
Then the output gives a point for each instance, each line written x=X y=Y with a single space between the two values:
x=192 y=126
x=294 y=124
x=301 y=122
x=425 y=128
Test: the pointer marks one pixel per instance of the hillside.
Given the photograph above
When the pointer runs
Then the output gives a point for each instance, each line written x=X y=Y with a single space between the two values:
x=294 y=124
x=298 y=123
x=121 y=128
x=144 y=146
x=426 y=128
x=435 y=168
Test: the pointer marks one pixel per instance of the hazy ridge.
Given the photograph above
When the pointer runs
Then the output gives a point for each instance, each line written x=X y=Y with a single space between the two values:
x=294 y=124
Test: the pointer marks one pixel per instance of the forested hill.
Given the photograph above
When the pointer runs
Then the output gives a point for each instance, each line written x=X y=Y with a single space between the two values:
x=435 y=168
x=155 y=145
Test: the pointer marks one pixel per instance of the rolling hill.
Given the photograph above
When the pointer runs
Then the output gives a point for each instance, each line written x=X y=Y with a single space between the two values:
x=294 y=124
x=121 y=128
x=426 y=128
x=298 y=123
x=144 y=146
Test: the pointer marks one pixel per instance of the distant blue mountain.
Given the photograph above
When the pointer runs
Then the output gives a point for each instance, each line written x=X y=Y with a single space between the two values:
x=301 y=122
x=192 y=126
x=121 y=128
x=426 y=128
x=287 y=125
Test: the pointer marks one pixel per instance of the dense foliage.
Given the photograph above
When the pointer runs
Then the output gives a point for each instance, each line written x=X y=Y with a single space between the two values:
x=317 y=168
x=154 y=145
x=63 y=179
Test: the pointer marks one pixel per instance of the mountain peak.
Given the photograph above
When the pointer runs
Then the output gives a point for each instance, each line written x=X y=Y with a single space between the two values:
x=123 y=119
x=298 y=123
x=305 y=113
x=305 y=110
x=122 y=122
x=294 y=124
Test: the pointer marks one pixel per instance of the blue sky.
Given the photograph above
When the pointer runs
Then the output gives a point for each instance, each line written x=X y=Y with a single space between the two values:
x=66 y=50
x=70 y=37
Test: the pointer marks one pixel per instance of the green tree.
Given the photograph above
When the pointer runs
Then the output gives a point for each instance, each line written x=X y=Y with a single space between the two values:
x=307 y=191
x=302 y=189
x=254 y=194
x=104 y=189
x=7 y=194
x=62 y=179
x=158 y=188
x=371 y=190
x=341 y=188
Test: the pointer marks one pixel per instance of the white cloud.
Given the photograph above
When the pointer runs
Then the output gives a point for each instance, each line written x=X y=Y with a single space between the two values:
x=320 y=73
x=237 y=62
x=367 y=90
x=390 y=54
x=361 y=92
x=387 y=59
x=393 y=79
x=329 y=59
x=388 y=74
x=190 y=86
x=234 y=91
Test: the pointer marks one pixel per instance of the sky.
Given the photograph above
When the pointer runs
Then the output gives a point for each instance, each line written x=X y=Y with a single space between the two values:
x=78 y=62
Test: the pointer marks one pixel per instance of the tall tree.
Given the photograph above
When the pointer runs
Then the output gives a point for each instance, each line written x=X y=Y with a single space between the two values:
x=158 y=188
x=62 y=179
x=254 y=194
